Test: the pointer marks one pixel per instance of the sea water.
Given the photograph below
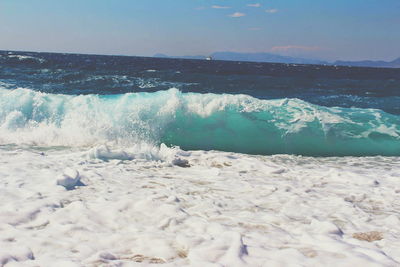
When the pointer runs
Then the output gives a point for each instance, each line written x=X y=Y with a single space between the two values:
x=125 y=160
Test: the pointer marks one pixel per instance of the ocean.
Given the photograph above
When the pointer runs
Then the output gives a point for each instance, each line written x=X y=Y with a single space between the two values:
x=243 y=107
x=126 y=160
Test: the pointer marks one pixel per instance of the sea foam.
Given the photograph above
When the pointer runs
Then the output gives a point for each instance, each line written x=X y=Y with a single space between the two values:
x=237 y=123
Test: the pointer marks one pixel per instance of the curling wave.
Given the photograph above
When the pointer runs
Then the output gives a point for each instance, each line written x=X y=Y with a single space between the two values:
x=192 y=121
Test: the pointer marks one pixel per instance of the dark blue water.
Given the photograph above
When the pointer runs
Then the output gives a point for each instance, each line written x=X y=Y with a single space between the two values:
x=278 y=108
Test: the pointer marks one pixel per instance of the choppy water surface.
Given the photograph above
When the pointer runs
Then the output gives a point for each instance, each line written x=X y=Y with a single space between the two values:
x=256 y=108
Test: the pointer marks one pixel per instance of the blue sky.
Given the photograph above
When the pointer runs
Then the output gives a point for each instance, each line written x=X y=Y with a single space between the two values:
x=325 y=29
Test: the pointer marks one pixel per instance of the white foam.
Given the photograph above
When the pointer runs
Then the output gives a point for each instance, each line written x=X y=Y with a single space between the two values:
x=69 y=178
x=226 y=209
x=23 y=57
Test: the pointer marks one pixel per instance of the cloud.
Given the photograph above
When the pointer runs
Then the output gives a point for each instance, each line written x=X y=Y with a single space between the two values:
x=286 y=48
x=220 y=7
x=254 y=29
x=272 y=10
x=237 y=15
x=254 y=5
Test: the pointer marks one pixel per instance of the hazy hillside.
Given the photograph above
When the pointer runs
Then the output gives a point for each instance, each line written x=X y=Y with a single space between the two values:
x=263 y=57
x=370 y=63
x=275 y=58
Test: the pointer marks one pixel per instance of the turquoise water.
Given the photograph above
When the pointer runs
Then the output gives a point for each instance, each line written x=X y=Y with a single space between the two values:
x=238 y=123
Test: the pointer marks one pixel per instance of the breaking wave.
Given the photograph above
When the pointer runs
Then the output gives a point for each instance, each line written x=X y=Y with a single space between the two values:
x=193 y=121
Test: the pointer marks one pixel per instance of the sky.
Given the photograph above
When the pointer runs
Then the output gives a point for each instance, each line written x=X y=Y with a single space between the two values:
x=320 y=29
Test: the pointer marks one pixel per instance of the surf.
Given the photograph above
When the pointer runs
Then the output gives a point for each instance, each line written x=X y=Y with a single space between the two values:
x=194 y=121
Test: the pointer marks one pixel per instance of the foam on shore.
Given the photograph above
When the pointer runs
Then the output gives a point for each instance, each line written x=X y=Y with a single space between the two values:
x=226 y=209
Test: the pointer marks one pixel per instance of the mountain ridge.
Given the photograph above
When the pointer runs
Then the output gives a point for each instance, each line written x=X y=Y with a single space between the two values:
x=276 y=58
x=370 y=63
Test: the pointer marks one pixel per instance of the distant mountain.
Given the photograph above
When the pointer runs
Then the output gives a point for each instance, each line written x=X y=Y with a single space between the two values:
x=396 y=61
x=370 y=63
x=274 y=58
x=263 y=57
x=184 y=57
x=160 y=55
x=253 y=57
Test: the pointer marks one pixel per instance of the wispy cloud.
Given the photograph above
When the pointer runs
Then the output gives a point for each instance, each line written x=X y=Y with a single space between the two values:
x=272 y=10
x=220 y=7
x=286 y=48
x=254 y=29
x=237 y=15
x=254 y=5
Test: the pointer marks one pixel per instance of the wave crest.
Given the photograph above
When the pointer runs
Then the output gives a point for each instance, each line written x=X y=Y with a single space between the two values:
x=237 y=123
